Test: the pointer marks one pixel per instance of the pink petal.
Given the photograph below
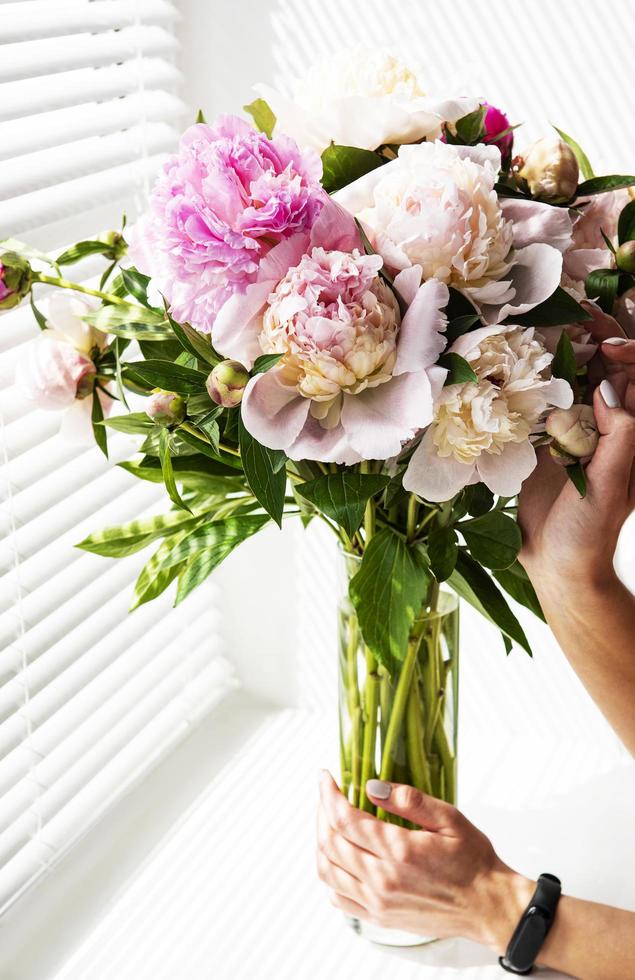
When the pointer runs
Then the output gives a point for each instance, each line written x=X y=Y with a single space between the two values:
x=579 y=262
x=282 y=257
x=237 y=326
x=468 y=342
x=327 y=445
x=407 y=282
x=379 y=420
x=421 y=338
x=536 y=273
x=504 y=474
x=272 y=412
x=536 y=222
x=434 y=477
x=335 y=229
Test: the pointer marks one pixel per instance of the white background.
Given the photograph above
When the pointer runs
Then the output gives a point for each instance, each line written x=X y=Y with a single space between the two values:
x=208 y=870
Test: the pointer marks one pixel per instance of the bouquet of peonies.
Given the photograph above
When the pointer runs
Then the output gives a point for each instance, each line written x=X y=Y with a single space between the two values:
x=360 y=307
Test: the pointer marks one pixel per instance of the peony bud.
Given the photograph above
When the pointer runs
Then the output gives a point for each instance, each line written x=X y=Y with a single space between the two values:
x=117 y=245
x=227 y=382
x=165 y=407
x=625 y=257
x=574 y=433
x=549 y=170
x=15 y=279
x=496 y=122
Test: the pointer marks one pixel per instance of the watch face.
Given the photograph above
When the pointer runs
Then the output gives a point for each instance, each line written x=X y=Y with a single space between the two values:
x=526 y=944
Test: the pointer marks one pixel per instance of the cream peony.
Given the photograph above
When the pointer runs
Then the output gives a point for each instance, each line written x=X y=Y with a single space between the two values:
x=588 y=250
x=481 y=429
x=436 y=206
x=361 y=98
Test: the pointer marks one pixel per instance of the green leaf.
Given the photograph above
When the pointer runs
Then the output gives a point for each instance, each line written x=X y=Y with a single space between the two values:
x=40 y=319
x=560 y=308
x=171 y=377
x=470 y=128
x=96 y=417
x=262 y=115
x=129 y=320
x=480 y=499
x=343 y=496
x=459 y=370
x=576 y=474
x=563 y=364
x=344 y=164
x=516 y=583
x=217 y=536
x=168 y=472
x=494 y=539
x=599 y=185
x=21 y=248
x=265 y=473
x=443 y=552
x=200 y=117
x=387 y=592
x=80 y=250
x=264 y=363
x=460 y=325
x=126 y=539
x=135 y=422
x=601 y=285
x=474 y=585
x=155 y=577
x=583 y=161
x=137 y=285
x=202 y=446
x=626 y=224
x=459 y=305
x=191 y=340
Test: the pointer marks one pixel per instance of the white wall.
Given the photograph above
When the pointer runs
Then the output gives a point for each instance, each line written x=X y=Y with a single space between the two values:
x=283 y=633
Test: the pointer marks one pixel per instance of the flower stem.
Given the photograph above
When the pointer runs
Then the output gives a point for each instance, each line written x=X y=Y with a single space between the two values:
x=415 y=740
x=78 y=288
x=371 y=704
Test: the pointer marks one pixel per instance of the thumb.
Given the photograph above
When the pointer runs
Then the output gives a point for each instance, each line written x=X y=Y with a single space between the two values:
x=406 y=801
x=609 y=472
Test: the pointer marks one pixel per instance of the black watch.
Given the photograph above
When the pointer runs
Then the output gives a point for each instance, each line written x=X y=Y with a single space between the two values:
x=531 y=931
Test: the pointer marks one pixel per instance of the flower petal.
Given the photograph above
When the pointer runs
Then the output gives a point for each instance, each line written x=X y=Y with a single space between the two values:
x=335 y=229
x=421 y=335
x=579 y=262
x=505 y=473
x=283 y=257
x=379 y=420
x=236 y=328
x=535 y=275
x=327 y=445
x=407 y=282
x=537 y=222
x=272 y=412
x=434 y=477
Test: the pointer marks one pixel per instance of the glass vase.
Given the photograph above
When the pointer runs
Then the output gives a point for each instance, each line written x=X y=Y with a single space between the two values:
x=399 y=725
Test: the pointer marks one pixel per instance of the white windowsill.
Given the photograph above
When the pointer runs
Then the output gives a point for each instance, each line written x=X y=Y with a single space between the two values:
x=207 y=868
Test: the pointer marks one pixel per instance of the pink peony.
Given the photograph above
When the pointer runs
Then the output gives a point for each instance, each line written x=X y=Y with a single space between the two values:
x=355 y=381
x=496 y=122
x=588 y=250
x=218 y=207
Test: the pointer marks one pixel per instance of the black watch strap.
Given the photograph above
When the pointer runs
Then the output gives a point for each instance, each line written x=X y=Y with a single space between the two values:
x=531 y=931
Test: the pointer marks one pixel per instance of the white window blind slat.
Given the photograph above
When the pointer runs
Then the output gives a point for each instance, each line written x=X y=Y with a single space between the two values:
x=90 y=697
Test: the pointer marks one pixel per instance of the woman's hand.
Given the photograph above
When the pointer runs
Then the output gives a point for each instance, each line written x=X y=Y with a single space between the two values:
x=443 y=880
x=569 y=539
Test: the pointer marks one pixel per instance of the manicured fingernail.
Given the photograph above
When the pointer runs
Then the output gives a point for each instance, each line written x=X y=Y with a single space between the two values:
x=609 y=394
x=378 y=788
x=615 y=341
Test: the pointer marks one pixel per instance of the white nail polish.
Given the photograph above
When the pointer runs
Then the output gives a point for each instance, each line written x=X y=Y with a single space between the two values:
x=609 y=394
x=615 y=341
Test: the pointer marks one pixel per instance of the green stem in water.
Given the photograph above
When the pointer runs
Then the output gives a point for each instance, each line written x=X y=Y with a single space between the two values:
x=371 y=704
x=354 y=709
x=415 y=740
x=78 y=288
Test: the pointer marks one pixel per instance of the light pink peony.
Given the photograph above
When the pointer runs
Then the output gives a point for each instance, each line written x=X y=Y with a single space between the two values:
x=355 y=381
x=588 y=250
x=481 y=430
x=219 y=206
x=57 y=372
x=436 y=206
x=581 y=334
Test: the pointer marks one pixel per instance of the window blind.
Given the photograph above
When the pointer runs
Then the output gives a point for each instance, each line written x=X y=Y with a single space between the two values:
x=90 y=697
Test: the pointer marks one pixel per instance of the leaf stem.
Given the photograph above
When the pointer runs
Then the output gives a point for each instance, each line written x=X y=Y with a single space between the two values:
x=78 y=288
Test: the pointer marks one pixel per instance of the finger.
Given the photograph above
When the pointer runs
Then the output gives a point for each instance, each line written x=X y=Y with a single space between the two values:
x=609 y=472
x=618 y=350
x=348 y=906
x=356 y=826
x=338 y=879
x=406 y=801
x=358 y=862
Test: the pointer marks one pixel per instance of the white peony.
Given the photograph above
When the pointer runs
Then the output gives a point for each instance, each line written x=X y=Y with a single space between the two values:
x=481 y=429
x=361 y=98
x=436 y=206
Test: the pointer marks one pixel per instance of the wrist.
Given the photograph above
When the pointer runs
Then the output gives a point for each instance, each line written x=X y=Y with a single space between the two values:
x=577 y=580
x=505 y=896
